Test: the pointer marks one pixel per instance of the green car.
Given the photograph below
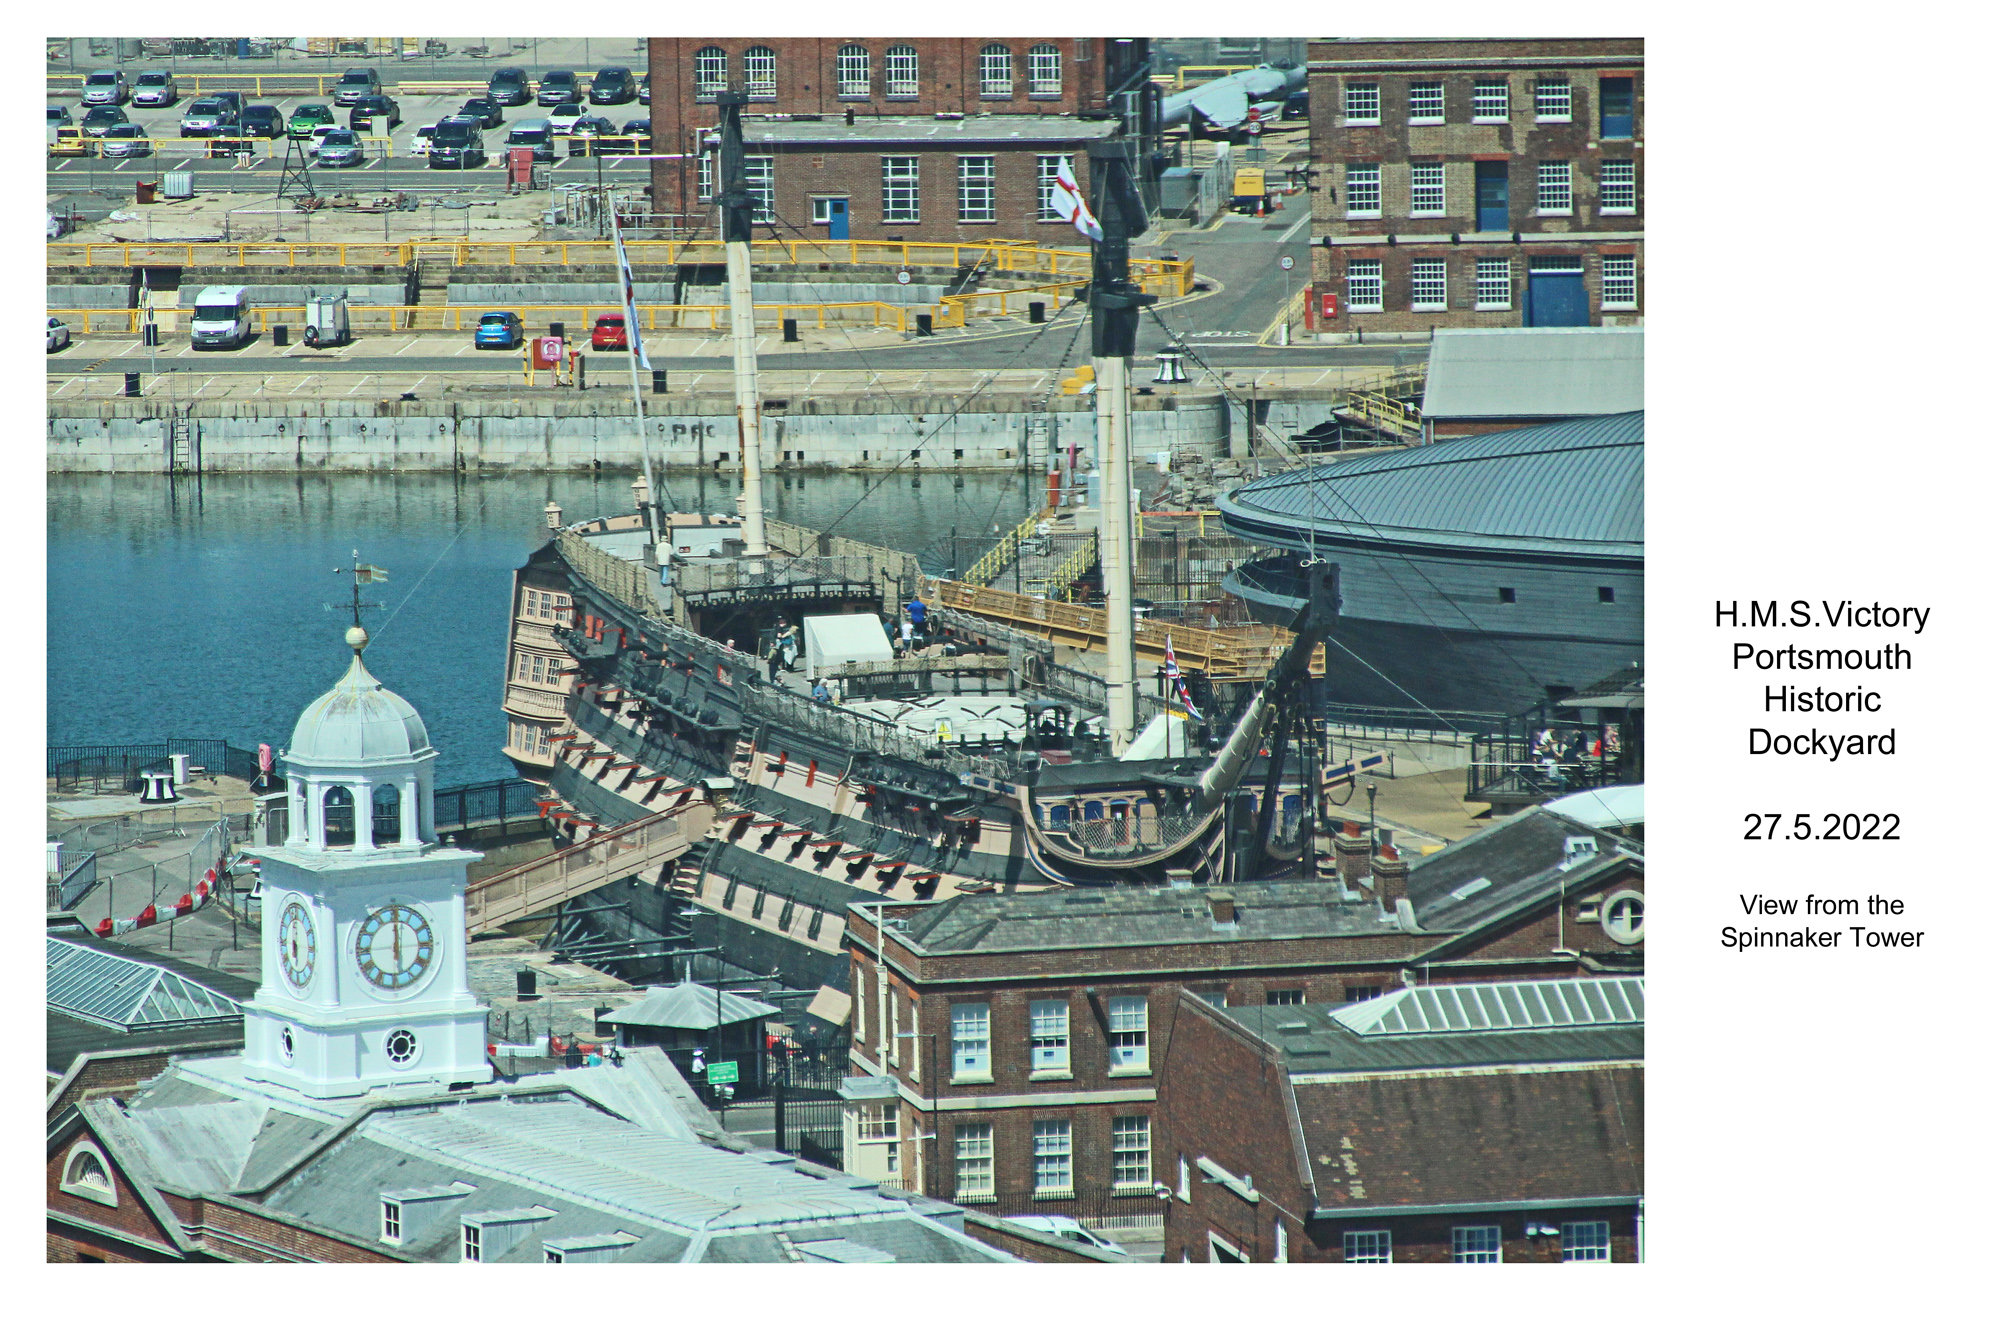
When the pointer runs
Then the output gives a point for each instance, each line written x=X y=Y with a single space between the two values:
x=309 y=118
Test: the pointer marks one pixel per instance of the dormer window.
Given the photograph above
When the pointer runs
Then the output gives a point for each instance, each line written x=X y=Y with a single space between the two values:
x=392 y=1222
x=469 y=1242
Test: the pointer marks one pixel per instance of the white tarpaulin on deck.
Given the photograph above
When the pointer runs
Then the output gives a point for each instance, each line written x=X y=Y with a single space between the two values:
x=831 y=640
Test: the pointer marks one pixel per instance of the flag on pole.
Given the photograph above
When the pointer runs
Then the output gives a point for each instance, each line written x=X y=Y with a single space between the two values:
x=1066 y=201
x=1180 y=686
x=631 y=303
x=370 y=574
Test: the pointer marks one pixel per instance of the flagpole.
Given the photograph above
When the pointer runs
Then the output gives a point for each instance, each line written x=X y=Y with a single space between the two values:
x=635 y=352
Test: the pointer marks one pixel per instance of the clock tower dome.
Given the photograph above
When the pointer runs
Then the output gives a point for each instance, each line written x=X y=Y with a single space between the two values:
x=364 y=911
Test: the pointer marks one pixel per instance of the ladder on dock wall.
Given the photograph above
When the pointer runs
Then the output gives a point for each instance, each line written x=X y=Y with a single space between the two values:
x=180 y=442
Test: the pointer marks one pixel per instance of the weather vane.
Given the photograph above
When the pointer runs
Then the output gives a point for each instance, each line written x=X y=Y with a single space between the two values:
x=362 y=574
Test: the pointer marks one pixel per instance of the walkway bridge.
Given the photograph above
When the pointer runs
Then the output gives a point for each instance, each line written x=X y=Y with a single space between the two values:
x=537 y=886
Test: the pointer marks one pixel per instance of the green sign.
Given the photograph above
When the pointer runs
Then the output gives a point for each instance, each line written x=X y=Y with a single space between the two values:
x=723 y=1071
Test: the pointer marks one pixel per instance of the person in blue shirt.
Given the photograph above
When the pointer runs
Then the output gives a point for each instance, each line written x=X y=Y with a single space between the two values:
x=917 y=610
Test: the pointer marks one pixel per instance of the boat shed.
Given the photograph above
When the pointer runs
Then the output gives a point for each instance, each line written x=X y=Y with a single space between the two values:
x=684 y=1018
x=1483 y=380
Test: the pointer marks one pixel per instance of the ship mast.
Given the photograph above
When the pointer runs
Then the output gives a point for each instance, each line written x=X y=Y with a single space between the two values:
x=737 y=207
x=1114 y=326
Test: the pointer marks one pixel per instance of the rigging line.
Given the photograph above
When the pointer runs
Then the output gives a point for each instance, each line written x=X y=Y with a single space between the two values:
x=376 y=638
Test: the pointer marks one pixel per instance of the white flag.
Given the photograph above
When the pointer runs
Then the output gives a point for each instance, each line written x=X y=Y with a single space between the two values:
x=625 y=287
x=1066 y=199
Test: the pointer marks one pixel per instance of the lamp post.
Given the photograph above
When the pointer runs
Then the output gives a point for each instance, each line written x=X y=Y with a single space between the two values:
x=1371 y=819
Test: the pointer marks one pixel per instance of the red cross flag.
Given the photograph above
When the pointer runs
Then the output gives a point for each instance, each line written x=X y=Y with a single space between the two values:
x=1066 y=200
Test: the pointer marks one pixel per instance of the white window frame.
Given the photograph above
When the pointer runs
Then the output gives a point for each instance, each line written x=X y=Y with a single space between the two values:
x=1361 y=103
x=1437 y=285
x=1367 y=1247
x=1283 y=998
x=996 y=70
x=1282 y=1251
x=1484 y=94
x=1625 y=284
x=978 y=178
x=1359 y=271
x=899 y=72
x=973 y=1181
x=901 y=172
x=1475 y=1245
x=1489 y=276
x=760 y=73
x=470 y=1242
x=711 y=73
x=1364 y=178
x=1617 y=179
x=1131 y=1153
x=1427 y=193
x=851 y=72
x=1586 y=1242
x=1130 y=1041
x=1555 y=197
x=1047 y=165
x=971 y=1043
x=878 y=1122
x=1054 y=1159
x=85 y=1158
x=1045 y=70
x=760 y=181
x=704 y=176
x=822 y=208
x=1048 y=1038
x=1427 y=116
x=391 y=1221
x=1555 y=99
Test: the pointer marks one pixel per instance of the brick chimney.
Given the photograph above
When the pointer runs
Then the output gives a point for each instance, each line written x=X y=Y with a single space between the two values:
x=1350 y=849
x=1392 y=873
x=1221 y=906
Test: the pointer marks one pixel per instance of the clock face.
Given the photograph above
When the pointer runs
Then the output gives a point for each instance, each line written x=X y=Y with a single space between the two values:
x=298 y=944
x=395 y=947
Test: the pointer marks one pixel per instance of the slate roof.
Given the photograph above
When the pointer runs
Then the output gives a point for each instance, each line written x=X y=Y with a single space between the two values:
x=689 y=1005
x=1522 y=860
x=1535 y=372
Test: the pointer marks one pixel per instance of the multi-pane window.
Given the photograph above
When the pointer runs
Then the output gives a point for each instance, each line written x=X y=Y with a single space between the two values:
x=1363 y=103
x=1132 y=1150
x=851 y=71
x=711 y=73
x=1427 y=103
x=1044 y=71
x=1426 y=189
x=704 y=176
x=1621 y=282
x=975 y=189
x=469 y=1242
x=1493 y=289
x=1552 y=188
x=878 y=1122
x=1047 y=167
x=1052 y=1160
x=757 y=180
x=1365 y=1247
x=1128 y=1031
x=1617 y=188
x=996 y=71
x=1426 y=292
x=1364 y=189
x=1284 y=997
x=392 y=1220
x=975 y=1161
x=899 y=189
x=760 y=73
x=899 y=71
x=1364 y=284
x=1356 y=994
x=1552 y=97
x=1218 y=998
x=1489 y=101
x=1586 y=1242
x=1048 y=1035
x=1475 y=1245
x=970 y=1048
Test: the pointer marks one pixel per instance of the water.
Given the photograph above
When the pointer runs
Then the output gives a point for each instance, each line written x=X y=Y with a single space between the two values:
x=199 y=608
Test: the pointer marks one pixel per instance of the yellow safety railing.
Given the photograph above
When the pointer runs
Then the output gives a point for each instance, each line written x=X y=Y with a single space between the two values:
x=1383 y=412
x=282 y=85
x=93 y=146
x=987 y=567
x=577 y=318
x=1062 y=578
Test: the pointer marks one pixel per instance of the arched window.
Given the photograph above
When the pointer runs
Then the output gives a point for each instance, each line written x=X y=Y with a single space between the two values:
x=388 y=815
x=711 y=73
x=1044 y=71
x=760 y=73
x=851 y=71
x=899 y=71
x=996 y=71
x=337 y=817
x=86 y=1175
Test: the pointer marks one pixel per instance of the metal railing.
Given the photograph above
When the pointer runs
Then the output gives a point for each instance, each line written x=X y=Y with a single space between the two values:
x=862 y=735
x=204 y=145
x=705 y=581
x=987 y=567
x=77 y=876
x=620 y=580
x=118 y=766
x=1384 y=413
x=593 y=863
x=1409 y=723
x=1063 y=576
x=485 y=803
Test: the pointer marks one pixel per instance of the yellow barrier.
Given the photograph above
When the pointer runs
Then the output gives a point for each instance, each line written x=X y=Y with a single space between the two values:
x=281 y=85
x=464 y=319
x=93 y=146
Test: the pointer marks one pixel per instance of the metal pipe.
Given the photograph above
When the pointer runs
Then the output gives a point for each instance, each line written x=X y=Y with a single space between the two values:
x=1115 y=557
x=749 y=407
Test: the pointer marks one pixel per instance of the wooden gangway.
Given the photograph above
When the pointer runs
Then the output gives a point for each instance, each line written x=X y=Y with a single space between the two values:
x=630 y=849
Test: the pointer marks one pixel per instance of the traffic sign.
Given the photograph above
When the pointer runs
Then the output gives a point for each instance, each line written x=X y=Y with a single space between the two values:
x=903 y=276
x=1285 y=263
x=721 y=1071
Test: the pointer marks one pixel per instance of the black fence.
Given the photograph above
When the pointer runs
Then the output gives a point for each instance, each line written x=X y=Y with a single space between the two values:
x=803 y=1083
x=1412 y=722
x=1088 y=1204
x=100 y=768
x=485 y=803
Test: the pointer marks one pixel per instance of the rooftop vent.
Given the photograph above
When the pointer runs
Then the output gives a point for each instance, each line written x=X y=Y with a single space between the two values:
x=1578 y=850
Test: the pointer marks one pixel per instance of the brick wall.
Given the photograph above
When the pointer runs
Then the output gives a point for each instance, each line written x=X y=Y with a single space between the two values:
x=802 y=172
x=1427 y=1239
x=129 y=1215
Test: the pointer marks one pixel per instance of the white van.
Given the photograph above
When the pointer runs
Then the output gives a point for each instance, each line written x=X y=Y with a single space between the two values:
x=221 y=317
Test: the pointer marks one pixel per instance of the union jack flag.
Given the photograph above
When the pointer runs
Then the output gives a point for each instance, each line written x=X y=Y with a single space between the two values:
x=1180 y=686
x=631 y=302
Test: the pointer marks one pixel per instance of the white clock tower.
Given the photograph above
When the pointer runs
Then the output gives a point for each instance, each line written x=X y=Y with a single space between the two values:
x=364 y=912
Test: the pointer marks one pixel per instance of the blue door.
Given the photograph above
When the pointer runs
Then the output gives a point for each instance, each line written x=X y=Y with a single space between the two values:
x=836 y=219
x=1555 y=295
x=1490 y=179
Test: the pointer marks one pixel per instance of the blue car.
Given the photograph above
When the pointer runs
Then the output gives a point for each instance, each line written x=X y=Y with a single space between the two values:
x=498 y=328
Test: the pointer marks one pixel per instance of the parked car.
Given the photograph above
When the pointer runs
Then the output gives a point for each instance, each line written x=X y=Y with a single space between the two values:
x=420 y=142
x=482 y=109
x=356 y=84
x=232 y=102
x=105 y=87
x=127 y=140
x=1069 y=1229
x=262 y=122
x=69 y=142
x=499 y=328
x=101 y=118
x=646 y=91
x=380 y=113
x=564 y=115
x=155 y=87
x=207 y=117
x=608 y=334
x=509 y=86
x=221 y=317
x=533 y=134
x=557 y=86
x=309 y=117
x=340 y=148
x=457 y=143
x=600 y=138
x=613 y=86
x=58 y=334
x=59 y=116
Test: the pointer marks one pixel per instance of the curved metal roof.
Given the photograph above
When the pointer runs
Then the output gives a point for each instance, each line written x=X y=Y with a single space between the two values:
x=1571 y=487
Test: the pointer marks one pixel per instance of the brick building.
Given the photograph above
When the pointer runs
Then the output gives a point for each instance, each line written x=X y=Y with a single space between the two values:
x=1484 y=183
x=1006 y=1047
x=1483 y=1123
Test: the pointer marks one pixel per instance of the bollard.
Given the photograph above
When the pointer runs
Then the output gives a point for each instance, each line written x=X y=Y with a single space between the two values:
x=579 y=370
x=131 y=384
x=923 y=326
x=791 y=330
x=659 y=381
x=1036 y=309
x=555 y=328
x=150 y=334
x=281 y=335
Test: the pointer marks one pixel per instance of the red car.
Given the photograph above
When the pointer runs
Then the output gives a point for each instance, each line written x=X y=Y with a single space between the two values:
x=608 y=334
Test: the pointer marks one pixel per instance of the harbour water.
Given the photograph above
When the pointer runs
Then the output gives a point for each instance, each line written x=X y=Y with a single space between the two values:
x=210 y=608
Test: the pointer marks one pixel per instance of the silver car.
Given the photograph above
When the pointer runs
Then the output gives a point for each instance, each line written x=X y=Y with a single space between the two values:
x=340 y=148
x=127 y=140
x=155 y=87
x=106 y=87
